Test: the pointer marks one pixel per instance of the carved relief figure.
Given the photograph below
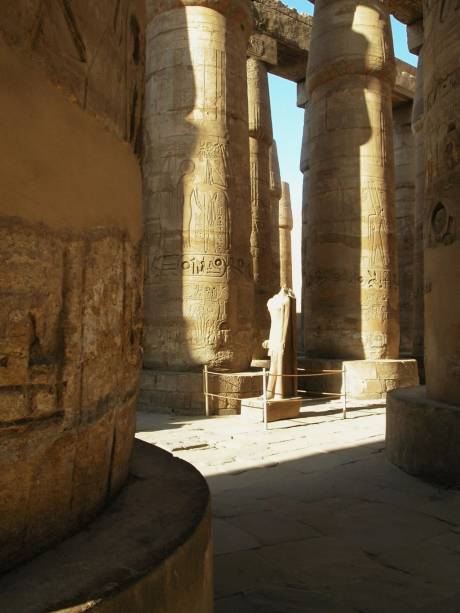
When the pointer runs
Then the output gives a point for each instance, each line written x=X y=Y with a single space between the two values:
x=377 y=228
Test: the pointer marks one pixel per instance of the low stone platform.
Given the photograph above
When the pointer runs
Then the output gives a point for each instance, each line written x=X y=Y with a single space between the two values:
x=366 y=379
x=373 y=379
x=149 y=551
x=286 y=408
x=182 y=392
x=423 y=435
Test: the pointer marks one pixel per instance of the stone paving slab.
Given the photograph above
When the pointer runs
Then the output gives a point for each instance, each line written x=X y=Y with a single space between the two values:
x=310 y=516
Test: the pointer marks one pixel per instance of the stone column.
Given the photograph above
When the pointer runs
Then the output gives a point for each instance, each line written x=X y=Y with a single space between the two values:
x=305 y=170
x=275 y=195
x=405 y=216
x=199 y=284
x=260 y=140
x=352 y=298
x=285 y=229
x=419 y=145
x=442 y=205
x=423 y=426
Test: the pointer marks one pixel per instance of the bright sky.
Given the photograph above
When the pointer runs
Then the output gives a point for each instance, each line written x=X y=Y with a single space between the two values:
x=288 y=129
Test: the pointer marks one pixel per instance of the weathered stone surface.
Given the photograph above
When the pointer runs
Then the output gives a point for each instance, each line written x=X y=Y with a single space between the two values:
x=352 y=297
x=260 y=140
x=199 y=284
x=135 y=556
x=285 y=229
x=70 y=264
x=442 y=205
x=283 y=408
x=405 y=218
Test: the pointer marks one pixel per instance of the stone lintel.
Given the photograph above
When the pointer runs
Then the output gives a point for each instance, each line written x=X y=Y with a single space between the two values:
x=263 y=48
x=415 y=36
x=291 y=30
x=406 y=11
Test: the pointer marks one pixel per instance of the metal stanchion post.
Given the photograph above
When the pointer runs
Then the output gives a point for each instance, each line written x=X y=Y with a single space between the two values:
x=205 y=386
x=344 y=386
x=264 y=387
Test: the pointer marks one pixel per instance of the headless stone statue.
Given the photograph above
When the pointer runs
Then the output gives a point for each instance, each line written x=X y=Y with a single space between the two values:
x=281 y=345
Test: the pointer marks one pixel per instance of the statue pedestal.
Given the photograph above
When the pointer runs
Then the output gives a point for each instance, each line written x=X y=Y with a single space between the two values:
x=286 y=408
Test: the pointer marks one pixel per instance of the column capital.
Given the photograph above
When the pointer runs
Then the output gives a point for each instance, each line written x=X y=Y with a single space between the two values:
x=237 y=10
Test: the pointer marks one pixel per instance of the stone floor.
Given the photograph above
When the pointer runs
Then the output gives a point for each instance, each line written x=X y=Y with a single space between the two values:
x=309 y=515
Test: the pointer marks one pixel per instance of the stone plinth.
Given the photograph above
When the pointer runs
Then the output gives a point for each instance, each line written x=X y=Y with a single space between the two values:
x=423 y=435
x=372 y=379
x=252 y=409
x=70 y=265
x=350 y=275
x=150 y=550
x=182 y=392
x=199 y=291
x=365 y=379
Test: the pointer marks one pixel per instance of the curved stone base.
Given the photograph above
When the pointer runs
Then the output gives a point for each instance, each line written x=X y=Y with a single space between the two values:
x=366 y=379
x=182 y=392
x=149 y=551
x=373 y=379
x=423 y=436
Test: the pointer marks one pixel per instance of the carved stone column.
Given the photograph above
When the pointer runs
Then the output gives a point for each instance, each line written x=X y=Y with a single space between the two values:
x=260 y=140
x=199 y=284
x=419 y=158
x=405 y=216
x=275 y=195
x=305 y=170
x=285 y=229
x=352 y=298
x=423 y=426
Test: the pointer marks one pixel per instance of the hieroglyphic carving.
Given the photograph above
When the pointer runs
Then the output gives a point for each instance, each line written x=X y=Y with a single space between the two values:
x=196 y=185
x=351 y=266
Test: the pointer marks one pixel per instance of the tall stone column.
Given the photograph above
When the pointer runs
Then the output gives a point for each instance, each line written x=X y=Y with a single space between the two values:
x=419 y=158
x=423 y=426
x=199 y=284
x=260 y=140
x=352 y=298
x=285 y=230
x=275 y=195
x=305 y=170
x=405 y=216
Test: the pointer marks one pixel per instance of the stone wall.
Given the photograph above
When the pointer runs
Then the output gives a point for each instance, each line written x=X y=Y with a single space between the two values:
x=70 y=263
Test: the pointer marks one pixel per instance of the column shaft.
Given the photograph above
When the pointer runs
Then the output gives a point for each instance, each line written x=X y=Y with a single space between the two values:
x=199 y=287
x=405 y=216
x=442 y=206
x=285 y=230
x=260 y=140
x=352 y=297
x=275 y=195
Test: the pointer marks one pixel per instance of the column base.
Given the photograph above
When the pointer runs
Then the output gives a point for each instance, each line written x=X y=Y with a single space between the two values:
x=149 y=551
x=252 y=409
x=366 y=379
x=182 y=392
x=423 y=436
x=373 y=379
